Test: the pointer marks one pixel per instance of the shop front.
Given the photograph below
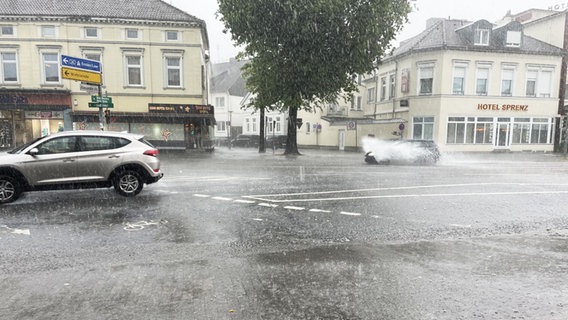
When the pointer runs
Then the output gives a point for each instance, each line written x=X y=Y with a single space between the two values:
x=167 y=126
x=500 y=127
x=29 y=114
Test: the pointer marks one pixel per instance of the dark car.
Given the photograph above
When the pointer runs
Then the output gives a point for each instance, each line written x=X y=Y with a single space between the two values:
x=246 y=141
x=413 y=151
x=275 y=141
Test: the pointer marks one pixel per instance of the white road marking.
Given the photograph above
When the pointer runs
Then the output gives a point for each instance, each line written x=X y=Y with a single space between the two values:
x=16 y=231
x=270 y=198
x=202 y=195
x=245 y=201
x=221 y=198
x=320 y=210
x=258 y=219
x=294 y=208
x=350 y=213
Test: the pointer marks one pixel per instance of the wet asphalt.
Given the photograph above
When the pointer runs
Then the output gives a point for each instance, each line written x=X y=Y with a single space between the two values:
x=235 y=234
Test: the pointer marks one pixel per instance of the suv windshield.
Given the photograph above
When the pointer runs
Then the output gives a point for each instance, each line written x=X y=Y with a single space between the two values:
x=19 y=149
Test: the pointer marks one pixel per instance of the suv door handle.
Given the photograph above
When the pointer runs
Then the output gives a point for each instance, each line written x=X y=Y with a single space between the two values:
x=68 y=160
x=114 y=156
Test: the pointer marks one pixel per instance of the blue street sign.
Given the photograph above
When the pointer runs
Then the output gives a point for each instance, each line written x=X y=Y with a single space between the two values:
x=79 y=63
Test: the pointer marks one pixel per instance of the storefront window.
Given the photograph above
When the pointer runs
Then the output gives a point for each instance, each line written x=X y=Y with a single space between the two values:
x=462 y=130
x=521 y=130
x=539 y=132
x=423 y=128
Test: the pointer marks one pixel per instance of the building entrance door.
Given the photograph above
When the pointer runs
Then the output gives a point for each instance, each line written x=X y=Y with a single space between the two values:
x=502 y=134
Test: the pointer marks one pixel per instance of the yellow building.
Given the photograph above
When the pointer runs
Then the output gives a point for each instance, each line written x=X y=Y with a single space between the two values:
x=154 y=67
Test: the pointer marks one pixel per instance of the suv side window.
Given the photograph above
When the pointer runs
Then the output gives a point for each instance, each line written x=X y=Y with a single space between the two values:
x=93 y=143
x=58 y=145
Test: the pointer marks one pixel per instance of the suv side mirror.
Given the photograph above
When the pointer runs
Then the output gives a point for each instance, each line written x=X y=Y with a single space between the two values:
x=33 y=152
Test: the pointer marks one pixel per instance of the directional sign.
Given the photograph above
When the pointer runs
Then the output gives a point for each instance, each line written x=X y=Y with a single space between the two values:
x=81 y=75
x=101 y=99
x=101 y=105
x=79 y=63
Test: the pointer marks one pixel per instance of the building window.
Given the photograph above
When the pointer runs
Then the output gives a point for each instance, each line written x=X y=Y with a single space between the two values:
x=371 y=92
x=220 y=102
x=50 y=67
x=172 y=35
x=221 y=126
x=383 y=88
x=539 y=83
x=470 y=130
x=423 y=128
x=458 y=84
x=7 y=30
x=531 y=83
x=540 y=131
x=173 y=70
x=507 y=82
x=392 y=81
x=481 y=37
x=521 y=131
x=91 y=32
x=96 y=56
x=132 y=34
x=253 y=125
x=426 y=80
x=482 y=81
x=513 y=39
x=133 y=66
x=9 y=67
x=48 y=31
x=359 y=103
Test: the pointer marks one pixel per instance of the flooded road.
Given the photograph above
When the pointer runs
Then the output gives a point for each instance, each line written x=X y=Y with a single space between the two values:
x=239 y=235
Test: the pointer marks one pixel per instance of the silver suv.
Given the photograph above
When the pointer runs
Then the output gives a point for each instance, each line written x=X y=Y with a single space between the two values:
x=79 y=159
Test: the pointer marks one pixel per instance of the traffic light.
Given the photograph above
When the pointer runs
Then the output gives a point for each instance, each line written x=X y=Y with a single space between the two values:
x=107 y=116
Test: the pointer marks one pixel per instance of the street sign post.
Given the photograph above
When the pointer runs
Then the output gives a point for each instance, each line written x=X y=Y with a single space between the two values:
x=101 y=99
x=89 y=72
x=81 y=64
x=81 y=75
x=101 y=105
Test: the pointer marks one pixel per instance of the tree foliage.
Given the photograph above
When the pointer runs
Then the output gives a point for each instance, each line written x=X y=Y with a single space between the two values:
x=305 y=53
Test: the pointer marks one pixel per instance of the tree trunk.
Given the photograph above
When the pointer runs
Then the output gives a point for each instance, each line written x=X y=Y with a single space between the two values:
x=291 y=142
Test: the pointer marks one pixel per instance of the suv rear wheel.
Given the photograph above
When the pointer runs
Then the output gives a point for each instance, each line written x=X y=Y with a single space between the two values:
x=10 y=189
x=128 y=183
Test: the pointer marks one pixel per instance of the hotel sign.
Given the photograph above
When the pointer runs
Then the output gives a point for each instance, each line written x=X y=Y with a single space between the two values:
x=502 y=107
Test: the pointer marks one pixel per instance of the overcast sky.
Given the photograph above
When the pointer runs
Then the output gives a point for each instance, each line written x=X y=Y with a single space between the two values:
x=492 y=10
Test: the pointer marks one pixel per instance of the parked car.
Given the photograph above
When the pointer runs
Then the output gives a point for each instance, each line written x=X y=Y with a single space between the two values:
x=79 y=159
x=246 y=141
x=414 y=151
x=276 y=141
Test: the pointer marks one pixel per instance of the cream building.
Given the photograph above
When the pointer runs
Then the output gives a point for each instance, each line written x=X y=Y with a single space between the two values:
x=470 y=86
x=154 y=61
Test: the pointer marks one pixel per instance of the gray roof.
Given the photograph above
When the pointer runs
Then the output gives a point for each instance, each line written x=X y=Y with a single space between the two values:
x=445 y=34
x=155 y=10
x=227 y=77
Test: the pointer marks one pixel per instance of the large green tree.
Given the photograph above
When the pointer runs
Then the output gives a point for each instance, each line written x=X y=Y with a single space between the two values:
x=305 y=53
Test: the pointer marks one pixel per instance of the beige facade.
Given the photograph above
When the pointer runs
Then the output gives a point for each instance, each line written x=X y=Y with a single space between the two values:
x=156 y=73
x=470 y=86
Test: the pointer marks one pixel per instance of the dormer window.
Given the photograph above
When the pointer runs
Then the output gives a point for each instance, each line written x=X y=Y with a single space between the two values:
x=481 y=37
x=513 y=39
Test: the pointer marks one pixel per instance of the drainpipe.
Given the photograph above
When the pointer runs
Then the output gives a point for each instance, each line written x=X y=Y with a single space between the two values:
x=562 y=91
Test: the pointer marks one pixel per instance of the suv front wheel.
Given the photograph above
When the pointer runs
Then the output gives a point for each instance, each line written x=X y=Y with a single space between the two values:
x=128 y=183
x=9 y=189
